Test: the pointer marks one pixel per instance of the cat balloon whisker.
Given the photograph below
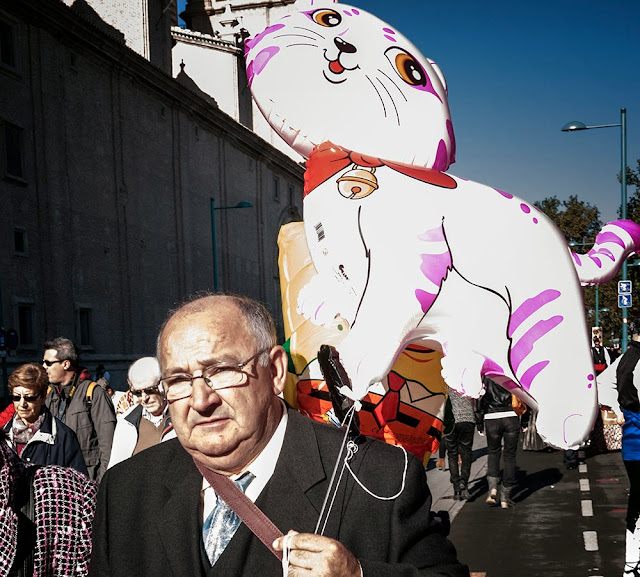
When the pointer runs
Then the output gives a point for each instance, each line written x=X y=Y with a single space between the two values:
x=302 y=44
x=384 y=108
x=296 y=36
x=390 y=98
x=309 y=30
x=394 y=83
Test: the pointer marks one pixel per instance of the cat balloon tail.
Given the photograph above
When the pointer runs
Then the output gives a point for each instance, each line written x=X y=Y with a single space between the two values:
x=408 y=253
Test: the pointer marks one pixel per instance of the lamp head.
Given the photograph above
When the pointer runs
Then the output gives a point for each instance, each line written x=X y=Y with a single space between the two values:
x=574 y=125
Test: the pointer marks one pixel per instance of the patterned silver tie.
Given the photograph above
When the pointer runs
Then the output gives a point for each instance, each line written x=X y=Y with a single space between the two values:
x=222 y=523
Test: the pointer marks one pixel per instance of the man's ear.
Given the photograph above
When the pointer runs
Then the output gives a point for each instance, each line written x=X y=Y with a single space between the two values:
x=279 y=361
x=66 y=365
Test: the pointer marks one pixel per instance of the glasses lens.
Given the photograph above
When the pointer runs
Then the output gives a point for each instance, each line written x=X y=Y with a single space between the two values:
x=176 y=387
x=149 y=391
x=222 y=377
x=49 y=363
x=28 y=398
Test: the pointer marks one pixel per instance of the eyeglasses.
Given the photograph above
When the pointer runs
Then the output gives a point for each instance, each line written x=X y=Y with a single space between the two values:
x=28 y=398
x=149 y=391
x=49 y=363
x=219 y=376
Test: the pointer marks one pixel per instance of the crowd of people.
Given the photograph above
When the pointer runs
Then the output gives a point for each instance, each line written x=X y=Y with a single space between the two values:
x=203 y=448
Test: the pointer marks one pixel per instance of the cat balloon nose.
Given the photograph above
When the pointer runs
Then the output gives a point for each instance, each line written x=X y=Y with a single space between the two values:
x=344 y=46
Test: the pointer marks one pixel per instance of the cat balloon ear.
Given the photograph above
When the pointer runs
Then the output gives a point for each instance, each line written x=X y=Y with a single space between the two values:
x=441 y=77
x=310 y=4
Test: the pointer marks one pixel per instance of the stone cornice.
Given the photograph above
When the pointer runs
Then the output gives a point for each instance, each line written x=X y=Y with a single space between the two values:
x=191 y=37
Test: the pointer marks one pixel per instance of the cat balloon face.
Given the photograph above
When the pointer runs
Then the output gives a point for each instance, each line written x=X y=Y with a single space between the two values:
x=350 y=69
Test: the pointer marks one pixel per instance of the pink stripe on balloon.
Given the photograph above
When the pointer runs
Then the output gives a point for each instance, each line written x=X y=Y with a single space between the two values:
x=603 y=251
x=432 y=235
x=576 y=258
x=442 y=156
x=630 y=227
x=609 y=237
x=531 y=373
x=452 y=140
x=490 y=367
x=530 y=306
x=425 y=299
x=434 y=266
x=524 y=346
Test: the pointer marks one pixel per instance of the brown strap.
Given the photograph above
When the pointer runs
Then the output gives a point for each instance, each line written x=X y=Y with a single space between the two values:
x=252 y=516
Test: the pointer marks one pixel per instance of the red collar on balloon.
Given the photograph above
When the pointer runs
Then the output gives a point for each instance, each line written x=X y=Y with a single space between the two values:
x=327 y=160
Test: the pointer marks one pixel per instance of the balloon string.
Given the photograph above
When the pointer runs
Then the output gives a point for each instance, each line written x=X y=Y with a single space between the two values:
x=349 y=416
x=353 y=449
x=286 y=550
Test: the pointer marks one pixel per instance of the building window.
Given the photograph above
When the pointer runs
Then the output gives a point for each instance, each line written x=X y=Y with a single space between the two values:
x=83 y=328
x=276 y=189
x=7 y=45
x=13 y=150
x=20 y=245
x=25 y=325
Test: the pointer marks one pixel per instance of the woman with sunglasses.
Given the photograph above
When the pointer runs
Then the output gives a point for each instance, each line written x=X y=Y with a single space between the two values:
x=34 y=433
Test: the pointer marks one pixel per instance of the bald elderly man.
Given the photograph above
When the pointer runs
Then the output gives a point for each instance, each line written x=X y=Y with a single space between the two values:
x=222 y=374
x=147 y=423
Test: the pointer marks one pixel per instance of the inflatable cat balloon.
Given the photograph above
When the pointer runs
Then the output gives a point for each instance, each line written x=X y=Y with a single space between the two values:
x=408 y=254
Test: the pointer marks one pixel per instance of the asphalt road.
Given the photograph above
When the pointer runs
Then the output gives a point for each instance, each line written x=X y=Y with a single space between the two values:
x=566 y=523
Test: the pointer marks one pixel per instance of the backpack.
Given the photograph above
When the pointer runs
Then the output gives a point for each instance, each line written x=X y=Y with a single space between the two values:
x=88 y=396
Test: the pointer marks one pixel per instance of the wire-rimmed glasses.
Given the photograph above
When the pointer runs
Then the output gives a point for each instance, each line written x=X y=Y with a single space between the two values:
x=218 y=376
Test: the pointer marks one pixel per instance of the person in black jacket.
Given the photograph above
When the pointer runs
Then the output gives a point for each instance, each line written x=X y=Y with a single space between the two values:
x=495 y=415
x=35 y=434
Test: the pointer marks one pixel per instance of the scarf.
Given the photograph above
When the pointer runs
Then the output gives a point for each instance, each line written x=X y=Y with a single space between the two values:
x=23 y=432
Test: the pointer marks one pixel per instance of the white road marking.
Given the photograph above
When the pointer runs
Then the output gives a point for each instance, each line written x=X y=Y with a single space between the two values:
x=584 y=484
x=587 y=508
x=582 y=467
x=590 y=540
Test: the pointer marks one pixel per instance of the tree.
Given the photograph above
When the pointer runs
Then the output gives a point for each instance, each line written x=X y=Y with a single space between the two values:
x=580 y=222
x=633 y=202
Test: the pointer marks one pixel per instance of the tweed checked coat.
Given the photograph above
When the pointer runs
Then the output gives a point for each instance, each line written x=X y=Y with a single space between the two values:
x=64 y=504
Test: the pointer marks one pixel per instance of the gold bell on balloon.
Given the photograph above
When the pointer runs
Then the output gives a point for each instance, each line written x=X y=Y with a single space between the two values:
x=357 y=182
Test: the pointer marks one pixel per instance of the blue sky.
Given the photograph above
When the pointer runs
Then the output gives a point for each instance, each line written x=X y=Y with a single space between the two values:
x=517 y=72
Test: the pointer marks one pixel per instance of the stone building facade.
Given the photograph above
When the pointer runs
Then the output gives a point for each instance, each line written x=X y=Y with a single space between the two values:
x=109 y=172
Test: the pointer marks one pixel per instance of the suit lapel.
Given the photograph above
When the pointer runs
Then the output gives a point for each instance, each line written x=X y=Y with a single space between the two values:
x=179 y=520
x=299 y=474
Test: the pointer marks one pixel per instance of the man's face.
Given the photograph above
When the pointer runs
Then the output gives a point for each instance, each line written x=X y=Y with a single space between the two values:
x=151 y=398
x=224 y=429
x=57 y=371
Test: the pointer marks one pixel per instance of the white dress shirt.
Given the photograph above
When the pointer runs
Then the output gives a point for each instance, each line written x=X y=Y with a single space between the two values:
x=262 y=468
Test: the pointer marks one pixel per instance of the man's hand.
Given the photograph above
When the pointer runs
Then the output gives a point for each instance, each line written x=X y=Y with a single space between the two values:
x=318 y=556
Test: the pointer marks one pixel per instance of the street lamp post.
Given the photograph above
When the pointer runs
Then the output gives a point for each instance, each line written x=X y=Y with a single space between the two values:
x=577 y=125
x=242 y=204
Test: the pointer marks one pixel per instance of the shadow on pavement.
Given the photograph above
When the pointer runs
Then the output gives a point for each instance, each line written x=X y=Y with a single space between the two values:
x=526 y=485
x=531 y=483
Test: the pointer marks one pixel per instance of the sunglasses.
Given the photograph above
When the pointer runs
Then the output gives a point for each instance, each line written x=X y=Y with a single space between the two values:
x=28 y=398
x=49 y=363
x=149 y=391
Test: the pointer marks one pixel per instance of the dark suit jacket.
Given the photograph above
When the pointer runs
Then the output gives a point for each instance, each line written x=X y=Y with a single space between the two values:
x=147 y=520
